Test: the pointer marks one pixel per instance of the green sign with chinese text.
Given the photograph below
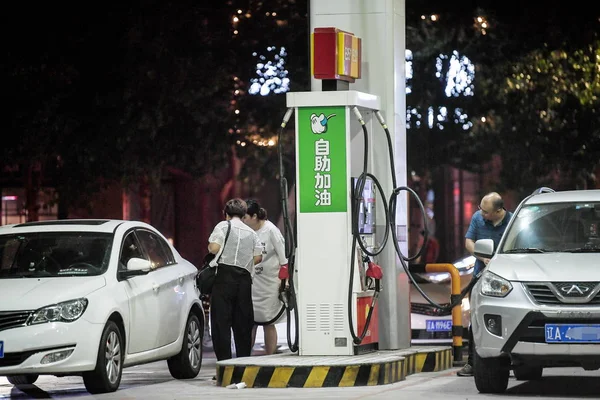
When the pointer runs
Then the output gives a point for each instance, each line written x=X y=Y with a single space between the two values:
x=322 y=185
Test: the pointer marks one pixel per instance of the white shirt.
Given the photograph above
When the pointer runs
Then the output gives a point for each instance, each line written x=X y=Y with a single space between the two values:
x=241 y=247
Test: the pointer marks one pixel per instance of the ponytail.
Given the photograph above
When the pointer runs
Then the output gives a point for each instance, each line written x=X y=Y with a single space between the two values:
x=262 y=214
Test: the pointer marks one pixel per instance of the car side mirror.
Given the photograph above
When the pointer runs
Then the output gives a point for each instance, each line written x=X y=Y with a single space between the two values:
x=484 y=248
x=135 y=266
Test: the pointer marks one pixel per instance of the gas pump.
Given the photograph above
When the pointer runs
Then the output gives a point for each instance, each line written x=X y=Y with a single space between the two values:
x=340 y=233
x=335 y=296
x=335 y=270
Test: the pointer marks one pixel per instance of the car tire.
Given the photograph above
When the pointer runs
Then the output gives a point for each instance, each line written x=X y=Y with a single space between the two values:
x=106 y=377
x=19 y=380
x=528 y=373
x=491 y=374
x=186 y=364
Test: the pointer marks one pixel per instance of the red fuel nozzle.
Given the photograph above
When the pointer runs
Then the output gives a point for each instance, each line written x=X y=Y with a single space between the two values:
x=374 y=271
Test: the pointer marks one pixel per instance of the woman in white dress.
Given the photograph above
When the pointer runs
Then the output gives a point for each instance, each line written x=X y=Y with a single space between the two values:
x=268 y=275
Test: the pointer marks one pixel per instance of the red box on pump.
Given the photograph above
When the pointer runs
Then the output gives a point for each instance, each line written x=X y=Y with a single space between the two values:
x=335 y=54
x=363 y=304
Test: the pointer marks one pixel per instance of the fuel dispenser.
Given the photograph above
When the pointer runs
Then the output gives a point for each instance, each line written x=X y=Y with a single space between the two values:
x=343 y=219
x=336 y=296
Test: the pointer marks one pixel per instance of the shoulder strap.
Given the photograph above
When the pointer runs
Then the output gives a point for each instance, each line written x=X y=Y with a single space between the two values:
x=225 y=241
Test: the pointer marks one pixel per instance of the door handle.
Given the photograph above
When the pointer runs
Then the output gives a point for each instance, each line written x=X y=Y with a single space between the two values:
x=181 y=279
x=155 y=287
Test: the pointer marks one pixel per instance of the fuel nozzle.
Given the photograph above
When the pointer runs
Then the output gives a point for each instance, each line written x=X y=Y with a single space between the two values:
x=380 y=119
x=358 y=115
x=375 y=272
x=286 y=117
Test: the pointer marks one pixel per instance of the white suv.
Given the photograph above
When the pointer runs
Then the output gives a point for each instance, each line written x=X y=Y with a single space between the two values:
x=536 y=304
x=89 y=297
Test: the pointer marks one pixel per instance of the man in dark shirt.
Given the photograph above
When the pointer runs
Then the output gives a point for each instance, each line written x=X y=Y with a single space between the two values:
x=489 y=222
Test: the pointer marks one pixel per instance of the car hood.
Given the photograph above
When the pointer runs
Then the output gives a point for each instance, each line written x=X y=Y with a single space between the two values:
x=33 y=293
x=546 y=267
x=440 y=293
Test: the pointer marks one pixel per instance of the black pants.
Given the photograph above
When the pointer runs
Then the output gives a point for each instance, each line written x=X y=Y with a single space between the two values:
x=231 y=309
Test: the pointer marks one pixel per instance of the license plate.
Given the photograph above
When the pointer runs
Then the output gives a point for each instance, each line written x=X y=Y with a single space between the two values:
x=572 y=333
x=438 y=325
x=1 y=349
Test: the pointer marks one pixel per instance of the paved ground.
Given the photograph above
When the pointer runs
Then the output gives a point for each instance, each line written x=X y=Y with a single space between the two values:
x=153 y=382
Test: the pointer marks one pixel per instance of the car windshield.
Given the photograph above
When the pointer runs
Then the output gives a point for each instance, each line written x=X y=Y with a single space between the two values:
x=556 y=227
x=56 y=254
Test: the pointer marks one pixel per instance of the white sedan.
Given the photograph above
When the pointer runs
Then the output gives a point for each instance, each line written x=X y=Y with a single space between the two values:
x=90 y=297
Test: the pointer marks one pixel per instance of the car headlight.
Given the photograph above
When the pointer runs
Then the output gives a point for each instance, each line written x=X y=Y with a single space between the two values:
x=67 y=311
x=494 y=285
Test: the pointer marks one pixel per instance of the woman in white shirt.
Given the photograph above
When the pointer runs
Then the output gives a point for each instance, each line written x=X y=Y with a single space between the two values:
x=231 y=298
x=268 y=275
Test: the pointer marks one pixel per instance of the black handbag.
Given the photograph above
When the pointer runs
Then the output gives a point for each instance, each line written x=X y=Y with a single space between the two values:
x=207 y=275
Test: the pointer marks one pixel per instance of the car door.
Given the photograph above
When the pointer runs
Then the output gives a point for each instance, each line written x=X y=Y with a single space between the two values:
x=171 y=296
x=143 y=300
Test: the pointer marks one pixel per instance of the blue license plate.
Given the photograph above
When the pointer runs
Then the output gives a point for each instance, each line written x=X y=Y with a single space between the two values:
x=572 y=333
x=438 y=325
x=1 y=349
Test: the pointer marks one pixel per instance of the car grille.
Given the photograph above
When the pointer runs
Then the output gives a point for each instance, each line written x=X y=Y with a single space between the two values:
x=534 y=330
x=13 y=319
x=12 y=359
x=428 y=309
x=558 y=293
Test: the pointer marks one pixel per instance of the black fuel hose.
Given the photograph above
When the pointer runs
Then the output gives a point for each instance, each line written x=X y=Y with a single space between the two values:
x=404 y=260
x=288 y=294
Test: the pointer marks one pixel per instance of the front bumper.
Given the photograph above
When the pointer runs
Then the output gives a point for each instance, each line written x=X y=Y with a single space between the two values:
x=24 y=348
x=522 y=335
x=420 y=334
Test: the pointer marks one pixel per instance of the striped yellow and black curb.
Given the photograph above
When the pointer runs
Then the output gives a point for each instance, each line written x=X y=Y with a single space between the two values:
x=280 y=371
x=428 y=361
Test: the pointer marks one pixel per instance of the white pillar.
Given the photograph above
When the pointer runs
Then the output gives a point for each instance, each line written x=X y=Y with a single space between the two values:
x=381 y=26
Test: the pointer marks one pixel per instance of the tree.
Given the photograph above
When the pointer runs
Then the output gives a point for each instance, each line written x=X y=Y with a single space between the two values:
x=270 y=42
x=501 y=45
x=176 y=96
x=63 y=99
x=442 y=88
x=136 y=88
x=549 y=124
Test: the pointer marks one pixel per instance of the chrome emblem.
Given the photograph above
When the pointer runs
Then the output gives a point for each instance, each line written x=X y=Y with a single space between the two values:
x=575 y=289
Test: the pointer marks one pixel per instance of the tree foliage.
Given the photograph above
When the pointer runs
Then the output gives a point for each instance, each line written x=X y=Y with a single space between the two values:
x=126 y=90
x=548 y=127
x=131 y=88
x=176 y=86
x=534 y=97
x=270 y=43
x=438 y=122
x=63 y=86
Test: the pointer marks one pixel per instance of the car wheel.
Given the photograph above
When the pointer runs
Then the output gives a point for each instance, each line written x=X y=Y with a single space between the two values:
x=491 y=374
x=186 y=364
x=109 y=364
x=528 y=373
x=18 y=380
